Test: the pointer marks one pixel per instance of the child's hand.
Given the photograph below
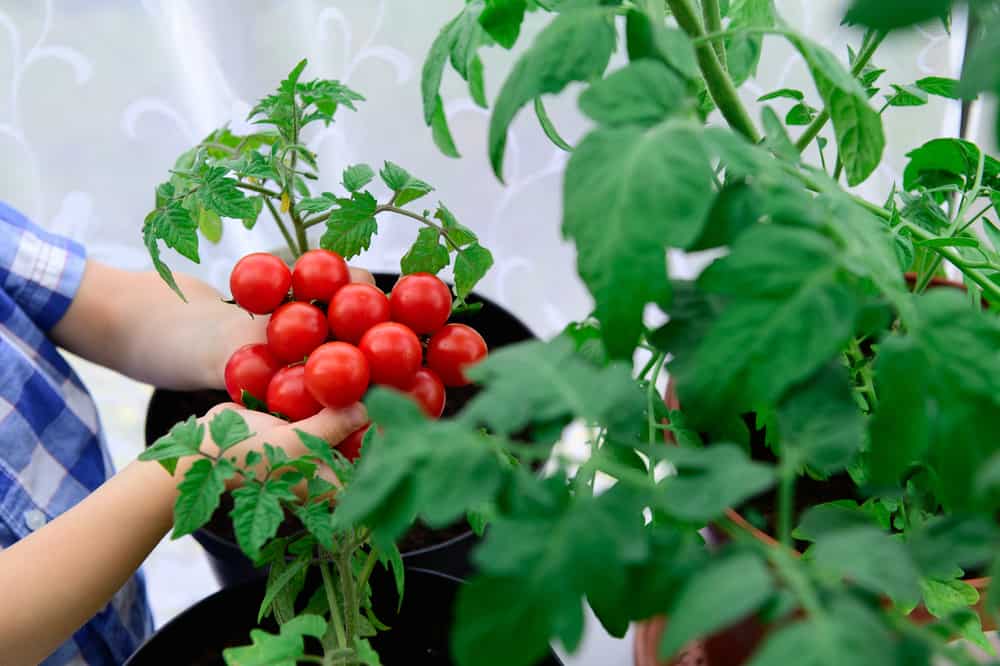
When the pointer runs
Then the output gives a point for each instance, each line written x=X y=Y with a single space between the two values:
x=332 y=425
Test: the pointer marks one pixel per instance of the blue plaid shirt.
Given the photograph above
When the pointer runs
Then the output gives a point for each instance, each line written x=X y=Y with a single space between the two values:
x=52 y=450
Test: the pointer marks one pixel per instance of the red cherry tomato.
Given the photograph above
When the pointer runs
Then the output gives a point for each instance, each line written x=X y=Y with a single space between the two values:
x=351 y=446
x=452 y=349
x=337 y=374
x=260 y=282
x=295 y=330
x=318 y=275
x=356 y=308
x=393 y=352
x=287 y=394
x=428 y=392
x=250 y=369
x=421 y=301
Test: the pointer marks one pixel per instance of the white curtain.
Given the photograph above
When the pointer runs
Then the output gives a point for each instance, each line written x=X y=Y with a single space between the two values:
x=97 y=99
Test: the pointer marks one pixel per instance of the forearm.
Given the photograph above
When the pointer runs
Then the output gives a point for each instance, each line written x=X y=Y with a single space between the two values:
x=63 y=574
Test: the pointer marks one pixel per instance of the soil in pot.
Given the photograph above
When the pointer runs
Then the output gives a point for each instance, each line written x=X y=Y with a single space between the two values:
x=446 y=549
x=419 y=635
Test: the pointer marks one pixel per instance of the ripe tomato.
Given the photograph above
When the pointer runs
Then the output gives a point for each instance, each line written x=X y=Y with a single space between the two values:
x=356 y=308
x=250 y=369
x=393 y=352
x=318 y=275
x=295 y=330
x=287 y=394
x=452 y=349
x=260 y=282
x=337 y=374
x=421 y=301
x=351 y=446
x=428 y=392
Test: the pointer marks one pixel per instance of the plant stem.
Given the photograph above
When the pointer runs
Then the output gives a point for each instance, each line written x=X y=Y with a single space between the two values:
x=366 y=570
x=284 y=230
x=651 y=396
x=719 y=85
x=389 y=208
x=331 y=600
x=864 y=57
x=786 y=498
x=300 y=230
x=350 y=593
x=956 y=259
x=712 y=14
x=258 y=188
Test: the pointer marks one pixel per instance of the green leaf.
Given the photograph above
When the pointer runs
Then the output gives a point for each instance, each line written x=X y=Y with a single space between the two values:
x=175 y=227
x=944 y=597
x=789 y=93
x=777 y=137
x=357 y=176
x=199 y=495
x=440 y=131
x=319 y=204
x=800 y=114
x=327 y=455
x=710 y=480
x=648 y=36
x=280 y=582
x=502 y=20
x=283 y=649
x=471 y=264
x=576 y=46
x=822 y=519
x=257 y=513
x=956 y=241
x=228 y=428
x=210 y=225
x=743 y=49
x=316 y=518
x=627 y=193
x=406 y=187
x=858 y=128
x=536 y=382
x=942 y=162
x=184 y=439
x=350 y=227
x=790 y=314
x=642 y=93
x=258 y=205
x=426 y=255
x=460 y=235
x=366 y=654
x=872 y=559
x=893 y=14
x=906 y=96
x=725 y=591
x=821 y=422
x=548 y=127
x=221 y=195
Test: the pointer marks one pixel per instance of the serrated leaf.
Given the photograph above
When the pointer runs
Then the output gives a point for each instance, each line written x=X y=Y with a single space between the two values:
x=283 y=649
x=366 y=654
x=258 y=206
x=350 y=227
x=743 y=48
x=426 y=255
x=357 y=176
x=221 y=195
x=184 y=439
x=948 y=161
x=643 y=93
x=627 y=194
x=713 y=598
x=394 y=176
x=576 y=46
x=872 y=559
x=199 y=494
x=471 y=264
x=788 y=93
x=316 y=518
x=228 y=428
x=459 y=234
x=392 y=560
x=210 y=225
x=502 y=20
x=257 y=513
x=906 y=96
x=857 y=127
x=777 y=137
x=280 y=578
x=319 y=204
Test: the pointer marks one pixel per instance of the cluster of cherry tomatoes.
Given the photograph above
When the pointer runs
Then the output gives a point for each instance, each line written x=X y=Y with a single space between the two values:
x=332 y=338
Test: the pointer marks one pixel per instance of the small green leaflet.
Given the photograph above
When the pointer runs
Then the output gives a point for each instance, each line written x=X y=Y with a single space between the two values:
x=948 y=161
x=257 y=513
x=871 y=558
x=277 y=584
x=184 y=439
x=788 y=93
x=319 y=204
x=893 y=14
x=459 y=235
x=406 y=187
x=502 y=20
x=940 y=86
x=906 y=96
x=548 y=127
x=648 y=37
x=440 y=131
x=426 y=255
x=350 y=228
x=575 y=46
x=357 y=176
x=366 y=653
x=210 y=225
x=316 y=517
x=283 y=649
x=228 y=428
x=222 y=196
x=777 y=137
x=743 y=49
x=642 y=93
x=800 y=114
x=471 y=264
x=199 y=494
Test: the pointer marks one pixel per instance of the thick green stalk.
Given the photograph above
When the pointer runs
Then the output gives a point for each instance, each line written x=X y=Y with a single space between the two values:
x=719 y=85
x=347 y=584
x=819 y=122
x=786 y=499
x=331 y=600
x=712 y=14
x=284 y=230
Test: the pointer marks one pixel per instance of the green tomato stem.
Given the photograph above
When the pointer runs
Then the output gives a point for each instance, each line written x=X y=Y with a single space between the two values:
x=331 y=600
x=284 y=229
x=366 y=570
x=786 y=499
x=712 y=14
x=720 y=85
x=257 y=188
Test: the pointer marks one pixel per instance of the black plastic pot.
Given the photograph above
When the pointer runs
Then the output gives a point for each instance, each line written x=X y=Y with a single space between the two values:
x=445 y=551
x=419 y=634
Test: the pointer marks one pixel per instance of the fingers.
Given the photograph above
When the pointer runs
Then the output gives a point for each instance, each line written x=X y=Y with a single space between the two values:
x=332 y=425
x=361 y=275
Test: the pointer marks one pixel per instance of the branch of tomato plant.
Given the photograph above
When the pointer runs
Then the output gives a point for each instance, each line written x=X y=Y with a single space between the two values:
x=868 y=48
x=390 y=208
x=367 y=568
x=717 y=80
x=786 y=497
x=331 y=600
x=651 y=395
x=346 y=576
x=712 y=13
x=296 y=253
x=300 y=230
x=258 y=189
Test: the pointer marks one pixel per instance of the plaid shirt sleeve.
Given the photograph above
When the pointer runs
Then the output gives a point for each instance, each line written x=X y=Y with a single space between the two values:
x=40 y=271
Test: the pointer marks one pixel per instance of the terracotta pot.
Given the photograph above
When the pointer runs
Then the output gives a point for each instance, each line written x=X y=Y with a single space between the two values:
x=734 y=645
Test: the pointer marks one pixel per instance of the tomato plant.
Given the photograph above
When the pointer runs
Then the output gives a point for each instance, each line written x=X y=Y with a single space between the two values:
x=814 y=359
